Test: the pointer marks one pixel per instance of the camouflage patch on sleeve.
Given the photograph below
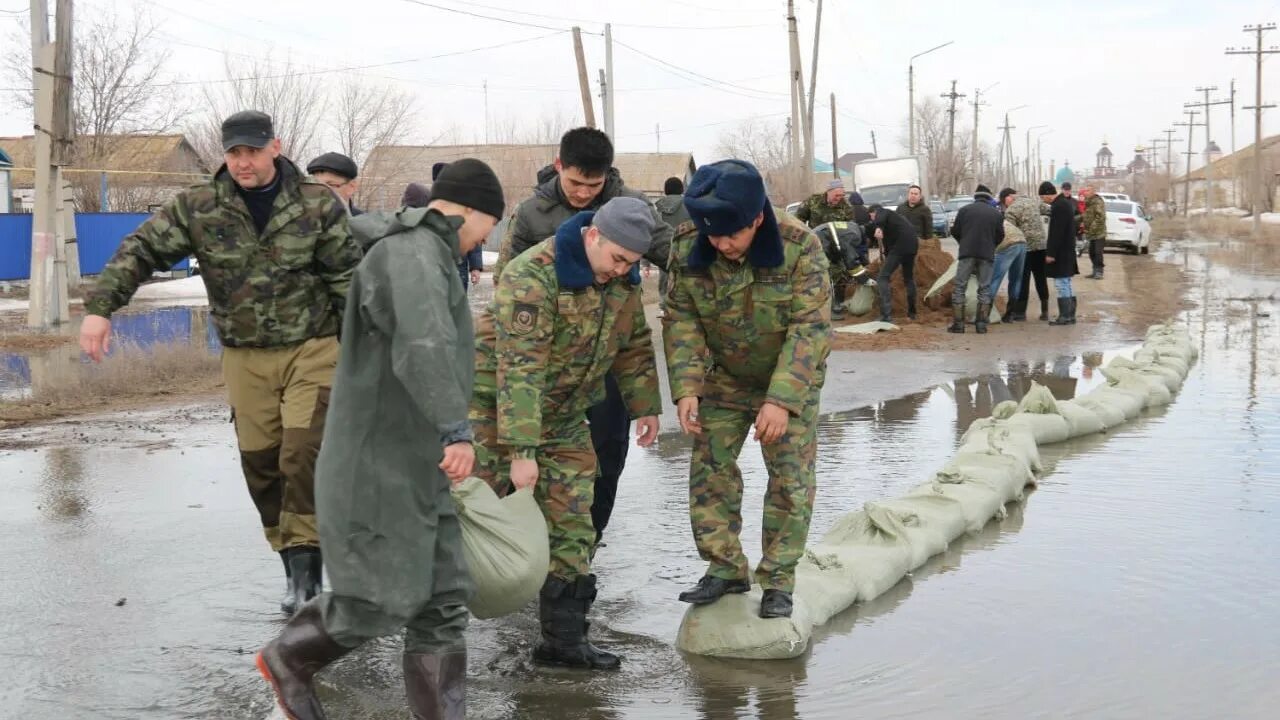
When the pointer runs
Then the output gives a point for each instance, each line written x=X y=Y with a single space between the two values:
x=524 y=317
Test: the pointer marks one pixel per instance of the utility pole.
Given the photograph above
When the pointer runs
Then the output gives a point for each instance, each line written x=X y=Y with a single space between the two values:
x=486 y=111
x=609 y=117
x=51 y=65
x=588 y=112
x=1208 y=143
x=977 y=103
x=911 y=94
x=1191 y=125
x=604 y=102
x=813 y=90
x=1006 y=149
x=835 y=153
x=951 y=135
x=874 y=149
x=657 y=137
x=1235 y=201
x=1027 y=161
x=797 y=94
x=1168 y=161
x=1257 y=51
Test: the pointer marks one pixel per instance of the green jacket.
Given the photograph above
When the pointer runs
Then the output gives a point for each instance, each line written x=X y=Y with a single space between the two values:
x=1025 y=214
x=815 y=210
x=738 y=334
x=400 y=393
x=1095 y=217
x=280 y=289
x=545 y=344
x=920 y=217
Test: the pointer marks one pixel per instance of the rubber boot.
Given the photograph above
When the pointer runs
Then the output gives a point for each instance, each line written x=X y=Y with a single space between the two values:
x=1074 y=299
x=305 y=570
x=562 y=612
x=957 y=320
x=290 y=662
x=983 y=317
x=288 y=604
x=1044 y=309
x=436 y=685
x=1064 y=312
x=911 y=308
x=837 y=308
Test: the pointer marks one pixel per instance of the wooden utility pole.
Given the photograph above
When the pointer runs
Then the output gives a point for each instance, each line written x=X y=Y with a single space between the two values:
x=588 y=112
x=657 y=137
x=835 y=152
x=1208 y=143
x=813 y=90
x=1168 y=161
x=951 y=136
x=51 y=69
x=1006 y=150
x=1257 y=51
x=797 y=91
x=973 y=149
x=604 y=101
x=875 y=150
x=1191 y=126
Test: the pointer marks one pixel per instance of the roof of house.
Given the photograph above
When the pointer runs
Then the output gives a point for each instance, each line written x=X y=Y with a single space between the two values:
x=390 y=167
x=167 y=159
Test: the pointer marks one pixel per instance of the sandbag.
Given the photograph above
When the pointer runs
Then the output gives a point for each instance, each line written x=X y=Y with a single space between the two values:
x=872 y=546
x=1045 y=428
x=505 y=544
x=1039 y=401
x=970 y=294
x=1109 y=415
x=1002 y=439
x=862 y=302
x=1081 y=419
x=1154 y=390
x=732 y=627
x=1171 y=378
x=1122 y=400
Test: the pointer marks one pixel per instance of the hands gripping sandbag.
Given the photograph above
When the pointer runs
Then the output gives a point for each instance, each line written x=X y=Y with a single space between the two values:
x=505 y=543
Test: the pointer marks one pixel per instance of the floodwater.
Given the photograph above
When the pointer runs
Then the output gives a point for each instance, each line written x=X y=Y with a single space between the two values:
x=1140 y=580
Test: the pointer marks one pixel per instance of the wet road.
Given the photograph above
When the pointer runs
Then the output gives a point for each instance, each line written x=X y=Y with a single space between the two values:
x=1139 y=581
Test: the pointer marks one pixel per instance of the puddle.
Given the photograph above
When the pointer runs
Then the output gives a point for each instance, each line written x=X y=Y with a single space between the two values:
x=1138 y=581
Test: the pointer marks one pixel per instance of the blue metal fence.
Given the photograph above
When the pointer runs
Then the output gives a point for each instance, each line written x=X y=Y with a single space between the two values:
x=98 y=236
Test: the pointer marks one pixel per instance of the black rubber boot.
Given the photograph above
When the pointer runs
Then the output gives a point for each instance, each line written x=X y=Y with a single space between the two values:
x=305 y=570
x=911 y=308
x=290 y=662
x=1074 y=299
x=288 y=604
x=775 y=604
x=436 y=685
x=983 y=317
x=1044 y=309
x=562 y=611
x=1064 y=312
x=710 y=589
x=957 y=320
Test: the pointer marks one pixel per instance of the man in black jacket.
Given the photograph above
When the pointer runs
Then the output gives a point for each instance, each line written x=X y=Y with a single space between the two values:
x=979 y=228
x=1060 y=251
x=899 y=243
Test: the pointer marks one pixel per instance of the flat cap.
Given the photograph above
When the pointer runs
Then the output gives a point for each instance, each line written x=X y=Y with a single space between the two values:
x=336 y=163
x=247 y=127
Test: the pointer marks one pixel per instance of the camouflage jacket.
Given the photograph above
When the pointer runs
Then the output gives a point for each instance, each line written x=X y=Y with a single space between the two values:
x=738 y=334
x=1095 y=217
x=545 y=344
x=815 y=210
x=278 y=289
x=1025 y=214
x=537 y=218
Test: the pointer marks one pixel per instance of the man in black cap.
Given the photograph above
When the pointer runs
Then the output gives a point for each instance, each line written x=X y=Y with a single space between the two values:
x=472 y=263
x=399 y=436
x=338 y=172
x=899 y=244
x=276 y=256
x=978 y=228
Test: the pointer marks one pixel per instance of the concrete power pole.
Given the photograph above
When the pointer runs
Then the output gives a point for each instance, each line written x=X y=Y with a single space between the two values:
x=1257 y=51
x=1208 y=143
x=951 y=136
x=813 y=90
x=835 y=153
x=51 y=65
x=793 y=53
x=875 y=150
x=1168 y=161
x=609 y=113
x=1191 y=126
x=588 y=112
x=973 y=149
x=1006 y=152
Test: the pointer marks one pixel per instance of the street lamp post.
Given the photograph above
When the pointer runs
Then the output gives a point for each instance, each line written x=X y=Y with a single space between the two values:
x=911 y=94
x=1026 y=162
x=1039 y=166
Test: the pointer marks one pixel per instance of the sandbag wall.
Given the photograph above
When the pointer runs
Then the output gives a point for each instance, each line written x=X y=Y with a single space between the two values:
x=867 y=552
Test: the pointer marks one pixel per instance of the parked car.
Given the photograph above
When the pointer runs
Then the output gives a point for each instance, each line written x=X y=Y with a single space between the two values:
x=1114 y=196
x=1128 y=226
x=953 y=207
x=940 y=225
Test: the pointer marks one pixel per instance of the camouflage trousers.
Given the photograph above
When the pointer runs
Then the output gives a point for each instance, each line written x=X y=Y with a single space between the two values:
x=565 y=488
x=715 y=494
x=279 y=397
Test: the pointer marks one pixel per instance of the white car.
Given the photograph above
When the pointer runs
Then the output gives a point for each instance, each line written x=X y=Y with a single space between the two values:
x=1114 y=196
x=1128 y=226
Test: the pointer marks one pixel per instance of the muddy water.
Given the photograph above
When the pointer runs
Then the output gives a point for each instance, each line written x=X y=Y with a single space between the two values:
x=1139 y=581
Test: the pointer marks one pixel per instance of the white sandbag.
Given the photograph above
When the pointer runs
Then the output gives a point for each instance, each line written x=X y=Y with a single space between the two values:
x=1174 y=348
x=1083 y=420
x=731 y=627
x=1125 y=401
x=1176 y=364
x=827 y=586
x=1002 y=439
x=862 y=302
x=1171 y=378
x=979 y=501
x=505 y=544
x=1007 y=474
x=1156 y=393
x=925 y=538
x=868 y=328
x=1039 y=401
x=1108 y=414
x=874 y=550
x=1045 y=428
x=970 y=294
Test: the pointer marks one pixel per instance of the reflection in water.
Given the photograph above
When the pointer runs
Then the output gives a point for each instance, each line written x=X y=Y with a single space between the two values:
x=733 y=688
x=63 y=493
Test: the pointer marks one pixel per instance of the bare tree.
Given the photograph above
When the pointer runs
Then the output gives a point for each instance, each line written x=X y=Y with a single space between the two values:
x=764 y=144
x=366 y=115
x=295 y=100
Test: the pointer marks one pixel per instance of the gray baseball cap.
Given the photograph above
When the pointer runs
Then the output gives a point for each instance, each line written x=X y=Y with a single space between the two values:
x=247 y=127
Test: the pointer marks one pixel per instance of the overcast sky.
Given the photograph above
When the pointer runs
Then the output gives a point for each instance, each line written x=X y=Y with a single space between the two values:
x=1117 y=70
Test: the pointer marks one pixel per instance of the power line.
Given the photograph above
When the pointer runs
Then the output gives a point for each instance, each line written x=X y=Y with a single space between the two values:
x=492 y=17
x=714 y=81
x=580 y=21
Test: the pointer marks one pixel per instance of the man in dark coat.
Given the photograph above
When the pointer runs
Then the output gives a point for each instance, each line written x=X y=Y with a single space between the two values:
x=979 y=228
x=899 y=244
x=1060 y=251
x=399 y=435
x=671 y=207
x=917 y=212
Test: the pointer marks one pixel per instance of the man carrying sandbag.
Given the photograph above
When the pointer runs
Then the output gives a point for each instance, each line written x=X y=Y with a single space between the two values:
x=397 y=429
x=567 y=312
x=747 y=334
